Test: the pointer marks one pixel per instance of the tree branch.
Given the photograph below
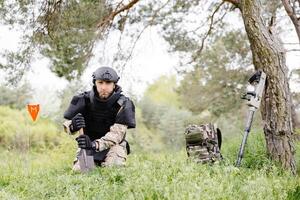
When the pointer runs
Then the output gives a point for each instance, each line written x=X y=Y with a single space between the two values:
x=209 y=29
x=291 y=12
x=142 y=31
x=109 y=18
x=234 y=2
x=291 y=43
x=293 y=50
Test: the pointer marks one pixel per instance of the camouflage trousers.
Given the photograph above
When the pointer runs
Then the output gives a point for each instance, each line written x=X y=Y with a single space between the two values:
x=114 y=156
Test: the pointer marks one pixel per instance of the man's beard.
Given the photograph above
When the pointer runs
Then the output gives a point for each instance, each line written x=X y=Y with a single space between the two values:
x=105 y=95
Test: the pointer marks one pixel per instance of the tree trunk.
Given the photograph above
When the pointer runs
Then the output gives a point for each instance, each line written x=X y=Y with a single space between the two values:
x=295 y=119
x=269 y=55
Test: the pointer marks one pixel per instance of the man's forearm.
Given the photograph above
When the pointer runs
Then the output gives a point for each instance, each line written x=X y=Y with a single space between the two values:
x=114 y=136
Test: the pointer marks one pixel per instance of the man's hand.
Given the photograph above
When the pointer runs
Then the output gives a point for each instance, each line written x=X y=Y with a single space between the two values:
x=85 y=142
x=77 y=123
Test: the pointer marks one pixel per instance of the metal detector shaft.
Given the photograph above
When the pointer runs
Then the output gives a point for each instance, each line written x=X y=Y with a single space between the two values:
x=246 y=133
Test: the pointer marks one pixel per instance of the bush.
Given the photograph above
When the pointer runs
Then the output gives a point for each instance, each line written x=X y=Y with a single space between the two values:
x=15 y=97
x=18 y=131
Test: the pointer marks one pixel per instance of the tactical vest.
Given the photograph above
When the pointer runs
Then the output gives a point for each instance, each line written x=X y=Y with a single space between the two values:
x=203 y=143
x=99 y=115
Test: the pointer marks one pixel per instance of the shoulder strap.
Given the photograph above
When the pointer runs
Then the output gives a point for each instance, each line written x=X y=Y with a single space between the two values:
x=121 y=102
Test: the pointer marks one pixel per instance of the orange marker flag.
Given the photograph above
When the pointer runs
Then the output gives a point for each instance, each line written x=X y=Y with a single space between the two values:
x=33 y=110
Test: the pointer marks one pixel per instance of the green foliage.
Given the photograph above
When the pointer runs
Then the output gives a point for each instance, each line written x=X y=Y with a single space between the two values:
x=172 y=126
x=255 y=156
x=15 y=97
x=65 y=96
x=215 y=83
x=294 y=194
x=16 y=64
x=182 y=25
x=143 y=138
x=15 y=12
x=163 y=91
x=151 y=112
x=190 y=32
x=161 y=113
x=71 y=33
x=232 y=124
x=216 y=74
x=19 y=132
x=166 y=120
x=64 y=31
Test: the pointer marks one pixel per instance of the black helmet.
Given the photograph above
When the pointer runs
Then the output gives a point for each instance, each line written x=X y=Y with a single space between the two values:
x=105 y=74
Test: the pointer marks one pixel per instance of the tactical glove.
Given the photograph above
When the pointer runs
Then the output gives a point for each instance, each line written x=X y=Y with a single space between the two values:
x=84 y=142
x=77 y=123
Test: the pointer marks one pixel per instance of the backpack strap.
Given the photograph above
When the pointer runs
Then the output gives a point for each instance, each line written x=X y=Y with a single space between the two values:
x=219 y=135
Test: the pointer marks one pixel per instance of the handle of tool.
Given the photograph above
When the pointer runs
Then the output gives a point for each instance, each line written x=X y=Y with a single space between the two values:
x=81 y=132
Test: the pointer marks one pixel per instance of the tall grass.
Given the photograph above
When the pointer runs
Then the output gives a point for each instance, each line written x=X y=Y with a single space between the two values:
x=43 y=171
x=18 y=131
x=146 y=176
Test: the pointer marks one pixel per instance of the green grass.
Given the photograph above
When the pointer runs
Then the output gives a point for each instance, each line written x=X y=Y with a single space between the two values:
x=48 y=175
x=42 y=170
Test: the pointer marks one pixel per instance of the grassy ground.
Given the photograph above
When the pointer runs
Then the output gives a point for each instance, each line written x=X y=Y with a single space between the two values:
x=36 y=160
x=48 y=175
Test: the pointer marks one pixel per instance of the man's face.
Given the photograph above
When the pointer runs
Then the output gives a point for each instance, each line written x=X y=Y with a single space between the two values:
x=105 y=88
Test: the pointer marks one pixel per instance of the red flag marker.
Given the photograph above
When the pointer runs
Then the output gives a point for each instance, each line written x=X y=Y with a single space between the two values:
x=33 y=110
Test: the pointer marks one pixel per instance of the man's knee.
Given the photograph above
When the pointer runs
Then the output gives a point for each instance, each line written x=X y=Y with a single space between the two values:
x=116 y=156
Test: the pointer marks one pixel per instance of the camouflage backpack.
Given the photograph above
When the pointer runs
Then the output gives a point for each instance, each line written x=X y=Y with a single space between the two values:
x=203 y=143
